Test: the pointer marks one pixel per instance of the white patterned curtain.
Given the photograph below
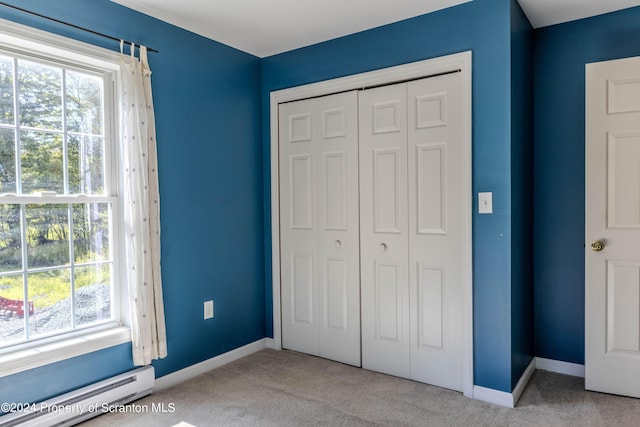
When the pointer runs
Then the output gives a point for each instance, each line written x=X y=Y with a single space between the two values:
x=141 y=208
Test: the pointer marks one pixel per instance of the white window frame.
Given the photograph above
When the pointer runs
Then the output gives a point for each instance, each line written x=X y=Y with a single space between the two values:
x=23 y=41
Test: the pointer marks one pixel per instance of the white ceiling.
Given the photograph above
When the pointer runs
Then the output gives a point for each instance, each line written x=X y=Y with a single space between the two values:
x=542 y=13
x=267 y=27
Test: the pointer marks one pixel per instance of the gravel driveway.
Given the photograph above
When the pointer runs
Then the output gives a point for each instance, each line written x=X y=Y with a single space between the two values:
x=92 y=303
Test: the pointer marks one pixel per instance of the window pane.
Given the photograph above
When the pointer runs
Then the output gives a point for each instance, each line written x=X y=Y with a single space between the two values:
x=10 y=242
x=7 y=161
x=11 y=314
x=40 y=89
x=42 y=162
x=50 y=292
x=47 y=235
x=6 y=90
x=84 y=103
x=93 y=294
x=91 y=232
x=86 y=165
x=52 y=139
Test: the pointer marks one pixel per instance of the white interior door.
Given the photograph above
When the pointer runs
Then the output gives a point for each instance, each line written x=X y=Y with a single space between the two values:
x=436 y=229
x=319 y=227
x=612 y=276
x=384 y=230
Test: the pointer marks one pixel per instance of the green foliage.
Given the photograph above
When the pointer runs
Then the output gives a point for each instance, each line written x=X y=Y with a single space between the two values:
x=10 y=255
x=48 y=234
x=43 y=150
x=41 y=158
x=84 y=103
x=50 y=287
x=40 y=95
x=7 y=165
x=6 y=90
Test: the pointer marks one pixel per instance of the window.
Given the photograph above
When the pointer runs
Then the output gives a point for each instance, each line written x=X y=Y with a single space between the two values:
x=58 y=196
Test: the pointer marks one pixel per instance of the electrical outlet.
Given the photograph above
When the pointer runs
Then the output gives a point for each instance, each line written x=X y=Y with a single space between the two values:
x=208 y=309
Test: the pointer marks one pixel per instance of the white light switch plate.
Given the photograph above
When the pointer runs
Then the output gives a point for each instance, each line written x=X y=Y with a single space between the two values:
x=485 y=203
x=208 y=309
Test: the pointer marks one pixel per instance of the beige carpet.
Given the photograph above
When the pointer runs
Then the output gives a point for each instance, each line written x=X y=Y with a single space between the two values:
x=283 y=388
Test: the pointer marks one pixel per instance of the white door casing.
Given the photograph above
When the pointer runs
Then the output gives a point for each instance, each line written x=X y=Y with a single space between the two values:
x=460 y=61
x=612 y=274
x=319 y=226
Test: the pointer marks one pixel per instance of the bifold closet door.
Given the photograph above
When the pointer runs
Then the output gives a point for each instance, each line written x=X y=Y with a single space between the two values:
x=411 y=225
x=436 y=227
x=384 y=230
x=319 y=239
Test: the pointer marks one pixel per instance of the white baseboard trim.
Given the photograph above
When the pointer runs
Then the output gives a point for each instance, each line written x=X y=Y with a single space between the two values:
x=524 y=380
x=490 y=395
x=271 y=343
x=559 y=367
x=479 y=393
x=193 y=371
x=503 y=398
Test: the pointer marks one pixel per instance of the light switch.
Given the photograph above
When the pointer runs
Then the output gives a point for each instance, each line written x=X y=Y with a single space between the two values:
x=208 y=309
x=485 y=203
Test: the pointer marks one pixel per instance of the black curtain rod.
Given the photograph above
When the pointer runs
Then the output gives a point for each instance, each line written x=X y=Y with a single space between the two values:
x=77 y=27
x=444 y=73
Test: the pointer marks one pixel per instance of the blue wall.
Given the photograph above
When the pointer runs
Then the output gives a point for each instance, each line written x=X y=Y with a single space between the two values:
x=210 y=138
x=561 y=53
x=521 y=192
x=208 y=115
x=481 y=26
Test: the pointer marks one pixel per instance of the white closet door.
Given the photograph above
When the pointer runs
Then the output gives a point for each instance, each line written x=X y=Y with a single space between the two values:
x=383 y=230
x=338 y=239
x=298 y=228
x=319 y=227
x=398 y=150
x=436 y=224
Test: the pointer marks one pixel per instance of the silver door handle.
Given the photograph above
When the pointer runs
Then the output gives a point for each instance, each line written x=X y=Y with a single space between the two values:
x=383 y=247
x=338 y=244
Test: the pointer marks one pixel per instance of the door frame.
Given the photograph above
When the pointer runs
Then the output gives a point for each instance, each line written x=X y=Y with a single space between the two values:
x=414 y=70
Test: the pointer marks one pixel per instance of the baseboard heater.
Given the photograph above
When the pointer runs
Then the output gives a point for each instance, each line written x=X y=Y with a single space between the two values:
x=80 y=405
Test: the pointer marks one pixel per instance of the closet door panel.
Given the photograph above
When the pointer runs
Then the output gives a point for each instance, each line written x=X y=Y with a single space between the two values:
x=319 y=227
x=388 y=179
x=383 y=230
x=338 y=233
x=435 y=226
x=388 y=301
x=298 y=228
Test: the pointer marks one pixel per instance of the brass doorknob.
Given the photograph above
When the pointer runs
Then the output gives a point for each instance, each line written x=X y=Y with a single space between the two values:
x=597 y=246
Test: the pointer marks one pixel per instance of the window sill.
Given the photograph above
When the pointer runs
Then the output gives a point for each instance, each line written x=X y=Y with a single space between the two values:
x=23 y=360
